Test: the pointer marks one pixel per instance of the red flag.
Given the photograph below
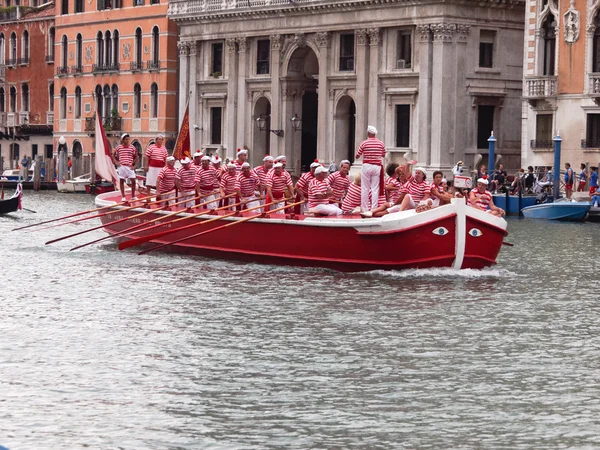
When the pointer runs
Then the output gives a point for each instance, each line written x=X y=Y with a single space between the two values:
x=182 y=147
x=2 y=196
x=104 y=163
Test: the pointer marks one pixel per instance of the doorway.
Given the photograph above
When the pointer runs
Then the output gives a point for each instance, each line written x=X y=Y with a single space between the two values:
x=310 y=109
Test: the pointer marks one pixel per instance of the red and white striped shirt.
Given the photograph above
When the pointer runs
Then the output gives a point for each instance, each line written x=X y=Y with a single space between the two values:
x=339 y=184
x=187 y=178
x=393 y=195
x=248 y=184
x=261 y=172
x=483 y=202
x=439 y=188
x=278 y=183
x=352 y=198
x=304 y=182
x=126 y=155
x=219 y=171
x=417 y=190
x=317 y=187
x=238 y=165
x=166 y=178
x=157 y=156
x=229 y=183
x=372 y=150
x=207 y=178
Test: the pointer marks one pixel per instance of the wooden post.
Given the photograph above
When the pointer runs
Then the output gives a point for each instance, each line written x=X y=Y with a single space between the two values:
x=37 y=173
x=50 y=169
x=93 y=168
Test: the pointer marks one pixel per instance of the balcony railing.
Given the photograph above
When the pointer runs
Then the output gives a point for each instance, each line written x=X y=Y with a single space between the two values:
x=90 y=124
x=50 y=59
x=2 y=119
x=76 y=70
x=10 y=119
x=136 y=66
x=112 y=124
x=590 y=143
x=594 y=84
x=23 y=117
x=540 y=87
x=537 y=144
x=24 y=61
x=11 y=62
x=2 y=70
x=99 y=68
x=10 y=15
x=114 y=67
x=153 y=65
x=62 y=71
x=49 y=117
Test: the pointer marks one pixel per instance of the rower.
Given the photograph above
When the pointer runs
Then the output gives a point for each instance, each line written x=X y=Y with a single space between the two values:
x=185 y=180
x=125 y=157
x=301 y=188
x=278 y=185
x=415 y=190
x=261 y=172
x=248 y=187
x=351 y=202
x=197 y=162
x=206 y=178
x=155 y=159
x=229 y=184
x=319 y=193
x=242 y=156
x=481 y=198
x=339 y=182
x=165 y=182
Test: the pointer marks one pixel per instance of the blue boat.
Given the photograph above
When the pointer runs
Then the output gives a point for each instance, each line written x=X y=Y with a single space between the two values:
x=566 y=211
x=512 y=209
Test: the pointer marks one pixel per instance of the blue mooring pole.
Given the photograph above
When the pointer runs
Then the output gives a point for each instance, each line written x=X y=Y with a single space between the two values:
x=491 y=155
x=556 y=175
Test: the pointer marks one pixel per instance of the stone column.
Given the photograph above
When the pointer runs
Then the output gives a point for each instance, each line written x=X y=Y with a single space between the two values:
x=324 y=153
x=230 y=121
x=423 y=120
x=461 y=107
x=193 y=76
x=241 y=92
x=183 y=48
x=277 y=121
x=362 y=67
x=374 y=41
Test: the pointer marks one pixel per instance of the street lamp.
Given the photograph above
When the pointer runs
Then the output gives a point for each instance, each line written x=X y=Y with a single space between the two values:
x=261 y=123
x=62 y=158
x=296 y=122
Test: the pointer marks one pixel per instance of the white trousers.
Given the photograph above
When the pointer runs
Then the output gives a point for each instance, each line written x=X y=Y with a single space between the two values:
x=369 y=184
x=188 y=196
x=251 y=202
x=210 y=198
x=152 y=175
x=327 y=210
x=168 y=197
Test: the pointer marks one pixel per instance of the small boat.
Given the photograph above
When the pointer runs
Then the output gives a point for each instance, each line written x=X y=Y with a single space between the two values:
x=558 y=210
x=454 y=235
x=13 y=203
x=77 y=184
x=100 y=187
x=514 y=203
x=14 y=174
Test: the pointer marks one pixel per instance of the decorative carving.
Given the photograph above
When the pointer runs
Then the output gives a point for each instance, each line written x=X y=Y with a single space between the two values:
x=231 y=44
x=241 y=44
x=374 y=36
x=462 y=31
x=572 y=25
x=443 y=31
x=287 y=93
x=275 y=41
x=591 y=29
x=361 y=37
x=322 y=38
x=193 y=48
x=300 y=40
x=88 y=53
x=424 y=32
x=127 y=50
x=183 y=48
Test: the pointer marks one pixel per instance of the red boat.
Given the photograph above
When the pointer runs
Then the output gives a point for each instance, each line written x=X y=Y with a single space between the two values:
x=454 y=235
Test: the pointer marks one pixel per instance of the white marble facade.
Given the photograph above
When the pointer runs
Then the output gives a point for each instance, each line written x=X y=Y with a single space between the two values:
x=412 y=69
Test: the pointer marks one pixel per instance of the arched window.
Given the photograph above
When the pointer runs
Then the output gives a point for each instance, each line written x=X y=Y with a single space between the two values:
x=25 y=47
x=155 y=46
x=79 y=54
x=51 y=41
x=107 y=49
x=115 y=100
x=549 y=37
x=99 y=49
x=137 y=100
x=154 y=100
x=15 y=152
x=51 y=96
x=138 y=148
x=13 y=49
x=116 y=49
x=99 y=102
x=77 y=102
x=138 y=45
x=64 y=57
x=2 y=49
x=13 y=99
x=2 y=107
x=107 y=104
x=24 y=97
x=596 y=45
x=63 y=102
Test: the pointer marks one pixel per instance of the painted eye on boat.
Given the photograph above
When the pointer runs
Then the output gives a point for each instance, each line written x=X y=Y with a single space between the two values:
x=441 y=231
x=475 y=232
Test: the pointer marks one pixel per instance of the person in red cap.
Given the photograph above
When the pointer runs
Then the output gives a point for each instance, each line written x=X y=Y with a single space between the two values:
x=155 y=159
x=185 y=179
x=249 y=184
x=229 y=185
x=242 y=157
x=206 y=179
x=125 y=157
x=278 y=185
x=261 y=172
x=319 y=194
x=339 y=182
x=165 y=182
x=301 y=187
x=481 y=198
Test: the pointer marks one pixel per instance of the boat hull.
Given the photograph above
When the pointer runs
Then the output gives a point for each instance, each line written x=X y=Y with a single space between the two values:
x=396 y=241
x=564 y=211
x=514 y=204
x=71 y=186
x=594 y=214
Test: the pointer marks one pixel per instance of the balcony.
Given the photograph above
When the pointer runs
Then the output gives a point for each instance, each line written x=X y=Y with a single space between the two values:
x=24 y=61
x=541 y=145
x=113 y=67
x=76 y=70
x=23 y=117
x=2 y=71
x=49 y=117
x=540 y=88
x=2 y=119
x=62 y=71
x=153 y=65
x=590 y=144
x=98 y=68
x=10 y=119
x=136 y=66
x=10 y=16
x=11 y=63
x=50 y=59
x=112 y=124
x=90 y=125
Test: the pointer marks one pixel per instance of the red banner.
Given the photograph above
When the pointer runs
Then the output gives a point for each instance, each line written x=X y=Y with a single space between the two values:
x=182 y=147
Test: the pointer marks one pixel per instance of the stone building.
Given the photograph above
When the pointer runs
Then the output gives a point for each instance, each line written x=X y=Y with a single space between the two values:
x=562 y=81
x=306 y=77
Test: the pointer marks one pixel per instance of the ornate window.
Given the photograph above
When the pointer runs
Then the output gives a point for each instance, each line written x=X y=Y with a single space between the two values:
x=77 y=102
x=548 y=35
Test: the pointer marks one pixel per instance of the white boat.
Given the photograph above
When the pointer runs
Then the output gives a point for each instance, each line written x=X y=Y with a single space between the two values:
x=14 y=174
x=77 y=184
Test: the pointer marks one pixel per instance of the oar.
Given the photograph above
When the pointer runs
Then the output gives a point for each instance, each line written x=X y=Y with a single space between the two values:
x=81 y=213
x=109 y=223
x=102 y=215
x=142 y=240
x=140 y=225
x=246 y=219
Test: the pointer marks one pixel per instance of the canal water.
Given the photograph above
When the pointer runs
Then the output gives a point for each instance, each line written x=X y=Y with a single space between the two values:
x=101 y=349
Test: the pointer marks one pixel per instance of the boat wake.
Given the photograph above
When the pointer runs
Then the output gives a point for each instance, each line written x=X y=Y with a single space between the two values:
x=442 y=273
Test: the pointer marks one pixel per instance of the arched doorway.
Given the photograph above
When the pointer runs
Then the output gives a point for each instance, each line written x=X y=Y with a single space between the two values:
x=77 y=159
x=140 y=153
x=302 y=78
x=261 y=144
x=345 y=127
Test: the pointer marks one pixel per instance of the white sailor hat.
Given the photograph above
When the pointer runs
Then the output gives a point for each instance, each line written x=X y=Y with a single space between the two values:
x=170 y=158
x=268 y=158
x=198 y=154
x=245 y=165
x=421 y=169
x=483 y=181
x=316 y=163
x=242 y=152
x=160 y=136
x=277 y=165
x=371 y=129
x=215 y=159
x=124 y=135
x=230 y=165
x=281 y=158
x=185 y=160
x=344 y=161
x=205 y=158
x=444 y=180
x=320 y=170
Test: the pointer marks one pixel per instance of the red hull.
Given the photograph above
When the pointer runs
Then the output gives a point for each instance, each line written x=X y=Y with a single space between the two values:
x=348 y=244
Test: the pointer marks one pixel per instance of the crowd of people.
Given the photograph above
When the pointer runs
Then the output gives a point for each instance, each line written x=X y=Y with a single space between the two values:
x=207 y=181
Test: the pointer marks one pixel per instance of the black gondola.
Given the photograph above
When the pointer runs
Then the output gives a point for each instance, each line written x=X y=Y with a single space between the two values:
x=13 y=203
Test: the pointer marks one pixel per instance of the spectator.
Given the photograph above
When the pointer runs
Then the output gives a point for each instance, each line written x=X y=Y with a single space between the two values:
x=499 y=178
x=530 y=179
x=568 y=180
x=583 y=176
x=593 y=180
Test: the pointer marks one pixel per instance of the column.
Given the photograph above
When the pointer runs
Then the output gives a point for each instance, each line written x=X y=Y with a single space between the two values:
x=361 y=67
x=461 y=108
x=324 y=153
x=374 y=41
x=278 y=122
x=230 y=124
x=183 y=48
x=193 y=77
x=423 y=122
x=241 y=92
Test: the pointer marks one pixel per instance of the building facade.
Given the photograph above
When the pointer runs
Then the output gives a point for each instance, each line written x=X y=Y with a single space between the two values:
x=305 y=78
x=118 y=59
x=26 y=78
x=562 y=81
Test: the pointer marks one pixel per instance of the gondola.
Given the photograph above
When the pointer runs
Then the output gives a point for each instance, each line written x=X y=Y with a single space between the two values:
x=13 y=203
